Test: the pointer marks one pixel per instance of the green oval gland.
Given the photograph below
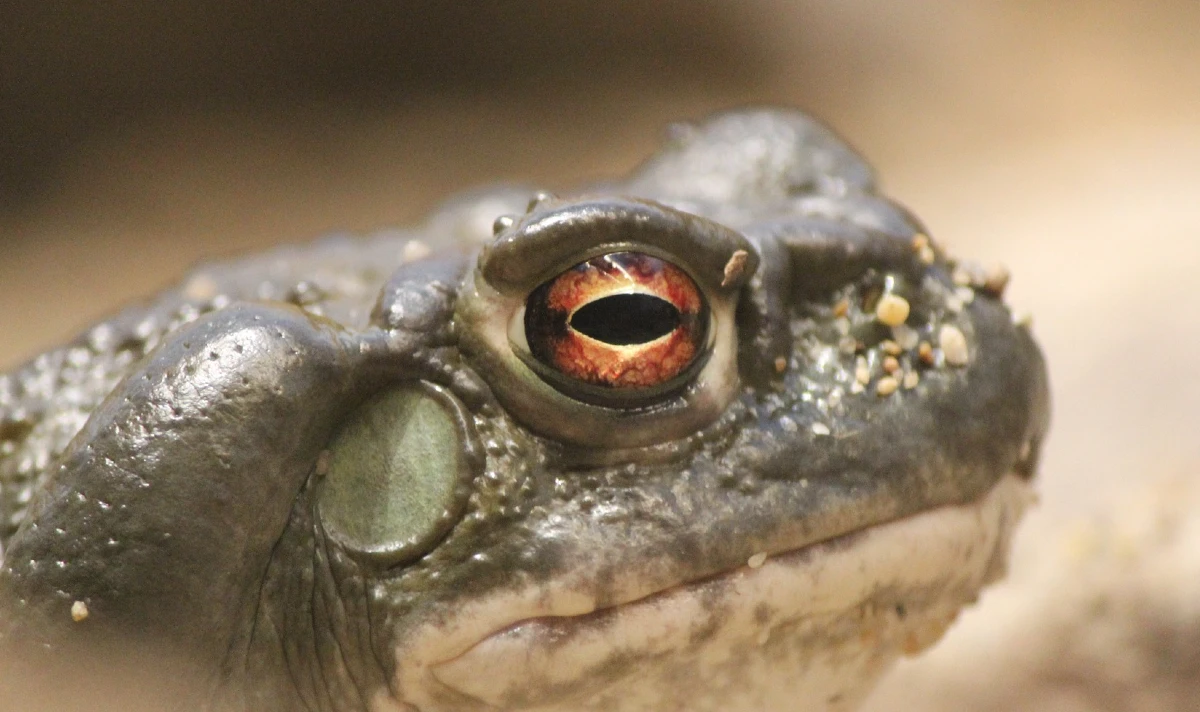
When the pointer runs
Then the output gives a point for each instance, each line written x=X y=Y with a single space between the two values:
x=397 y=475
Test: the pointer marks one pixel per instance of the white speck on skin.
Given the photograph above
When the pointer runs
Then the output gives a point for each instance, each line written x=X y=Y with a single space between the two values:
x=756 y=561
x=906 y=336
x=954 y=345
x=79 y=611
x=892 y=310
x=862 y=372
x=820 y=429
x=920 y=245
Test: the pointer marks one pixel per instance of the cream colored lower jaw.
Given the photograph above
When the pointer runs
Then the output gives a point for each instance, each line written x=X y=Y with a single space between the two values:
x=811 y=629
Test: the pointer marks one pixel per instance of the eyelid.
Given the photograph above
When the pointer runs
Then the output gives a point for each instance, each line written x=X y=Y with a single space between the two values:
x=559 y=235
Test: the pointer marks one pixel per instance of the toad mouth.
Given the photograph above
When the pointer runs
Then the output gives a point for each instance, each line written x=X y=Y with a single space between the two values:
x=885 y=589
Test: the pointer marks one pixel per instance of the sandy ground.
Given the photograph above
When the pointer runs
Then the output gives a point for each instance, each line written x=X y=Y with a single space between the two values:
x=1060 y=138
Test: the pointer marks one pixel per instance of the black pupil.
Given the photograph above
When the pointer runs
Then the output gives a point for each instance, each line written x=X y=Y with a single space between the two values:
x=626 y=319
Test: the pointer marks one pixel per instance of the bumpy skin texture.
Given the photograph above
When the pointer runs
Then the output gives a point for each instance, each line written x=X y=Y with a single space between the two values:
x=165 y=469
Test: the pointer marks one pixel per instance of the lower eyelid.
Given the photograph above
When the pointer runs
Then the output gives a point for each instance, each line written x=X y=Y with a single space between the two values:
x=516 y=330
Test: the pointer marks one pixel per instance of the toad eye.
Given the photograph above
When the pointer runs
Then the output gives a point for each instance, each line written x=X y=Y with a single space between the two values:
x=607 y=323
x=619 y=326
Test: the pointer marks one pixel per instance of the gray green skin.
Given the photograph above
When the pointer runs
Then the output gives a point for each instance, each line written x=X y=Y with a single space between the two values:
x=177 y=467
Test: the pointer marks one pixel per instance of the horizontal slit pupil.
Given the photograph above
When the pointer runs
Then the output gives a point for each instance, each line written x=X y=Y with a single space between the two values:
x=624 y=319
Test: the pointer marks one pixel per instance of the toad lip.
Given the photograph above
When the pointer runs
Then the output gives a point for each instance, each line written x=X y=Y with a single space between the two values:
x=715 y=627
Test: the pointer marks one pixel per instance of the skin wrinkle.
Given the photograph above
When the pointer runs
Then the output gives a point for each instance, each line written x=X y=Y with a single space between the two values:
x=252 y=635
x=283 y=555
x=254 y=619
x=289 y=667
x=314 y=658
x=322 y=655
x=297 y=663
x=338 y=621
x=350 y=589
x=372 y=621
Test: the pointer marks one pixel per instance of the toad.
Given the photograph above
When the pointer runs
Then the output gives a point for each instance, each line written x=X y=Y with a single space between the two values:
x=733 y=433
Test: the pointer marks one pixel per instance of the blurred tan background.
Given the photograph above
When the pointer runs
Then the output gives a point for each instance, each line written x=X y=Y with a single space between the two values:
x=1062 y=138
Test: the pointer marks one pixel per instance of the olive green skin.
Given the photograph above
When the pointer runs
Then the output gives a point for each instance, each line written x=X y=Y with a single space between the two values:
x=172 y=453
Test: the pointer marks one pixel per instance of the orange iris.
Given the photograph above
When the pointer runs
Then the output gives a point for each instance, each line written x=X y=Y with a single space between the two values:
x=621 y=320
